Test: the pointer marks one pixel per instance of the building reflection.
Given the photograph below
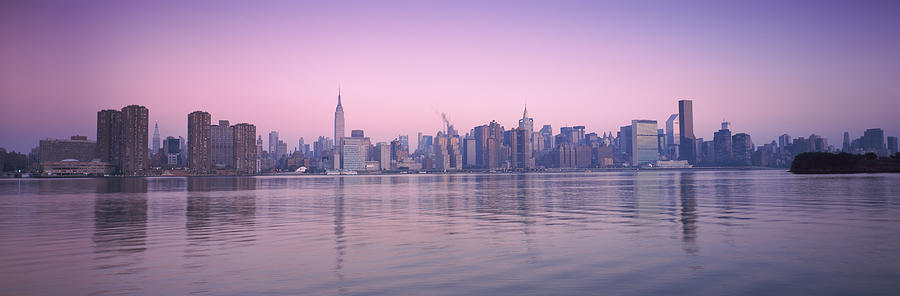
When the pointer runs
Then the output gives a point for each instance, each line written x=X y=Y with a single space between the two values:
x=120 y=221
x=687 y=188
x=218 y=210
x=340 y=241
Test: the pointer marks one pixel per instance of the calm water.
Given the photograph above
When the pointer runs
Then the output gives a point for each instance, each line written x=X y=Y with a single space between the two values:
x=703 y=232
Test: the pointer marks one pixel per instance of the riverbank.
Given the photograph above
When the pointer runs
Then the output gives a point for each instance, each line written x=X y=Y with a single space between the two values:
x=843 y=163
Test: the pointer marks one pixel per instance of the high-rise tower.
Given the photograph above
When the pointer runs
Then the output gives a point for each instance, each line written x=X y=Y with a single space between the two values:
x=155 y=144
x=687 y=146
x=338 y=125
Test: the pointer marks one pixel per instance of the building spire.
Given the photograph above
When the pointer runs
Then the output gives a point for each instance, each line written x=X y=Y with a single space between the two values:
x=339 y=95
x=525 y=114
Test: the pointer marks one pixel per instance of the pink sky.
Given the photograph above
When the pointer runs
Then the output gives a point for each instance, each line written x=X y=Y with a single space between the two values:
x=769 y=68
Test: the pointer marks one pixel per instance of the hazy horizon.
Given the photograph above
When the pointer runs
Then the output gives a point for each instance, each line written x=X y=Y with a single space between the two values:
x=768 y=67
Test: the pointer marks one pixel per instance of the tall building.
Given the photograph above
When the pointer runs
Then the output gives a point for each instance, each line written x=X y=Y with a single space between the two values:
x=110 y=137
x=526 y=123
x=673 y=137
x=354 y=153
x=339 y=123
x=742 y=149
x=222 y=145
x=578 y=134
x=135 y=160
x=469 y=153
x=172 y=151
x=199 y=142
x=687 y=149
x=522 y=144
x=625 y=141
x=547 y=133
x=873 y=141
x=892 y=145
x=784 y=141
x=846 y=147
x=644 y=140
x=155 y=145
x=245 y=148
x=273 y=144
x=723 y=147
x=383 y=150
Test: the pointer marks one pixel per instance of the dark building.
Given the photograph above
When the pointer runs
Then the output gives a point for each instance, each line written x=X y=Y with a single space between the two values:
x=742 y=149
x=110 y=134
x=687 y=147
x=892 y=145
x=583 y=156
x=78 y=148
x=222 y=145
x=723 y=147
x=245 y=148
x=358 y=133
x=199 y=143
x=135 y=158
x=523 y=149
x=873 y=141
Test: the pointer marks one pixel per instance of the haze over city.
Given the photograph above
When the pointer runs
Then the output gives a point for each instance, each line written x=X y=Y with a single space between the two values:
x=768 y=67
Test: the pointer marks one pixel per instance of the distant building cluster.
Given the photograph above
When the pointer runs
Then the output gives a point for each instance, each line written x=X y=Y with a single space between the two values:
x=122 y=148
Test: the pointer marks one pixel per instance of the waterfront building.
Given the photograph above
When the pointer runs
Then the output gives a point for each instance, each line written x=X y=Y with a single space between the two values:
x=644 y=140
x=584 y=155
x=110 y=134
x=135 y=159
x=199 y=145
x=77 y=148
x=625 y=142
x=722 y=142
x=673 y=137
x=383 y=155
x=222 y=145
x=687 y=144
x=172 y=151
x=245 y=148
x=742 y=149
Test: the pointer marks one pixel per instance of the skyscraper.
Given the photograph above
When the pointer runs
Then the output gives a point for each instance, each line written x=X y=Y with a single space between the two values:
x=673 y=136
x=644 y=139
x=245 y=148
x=846 y=147
x=892 y=145
x=155 y=144
x=723 y=146
x=222 y=145
x=687 y=149
x=110 y=134
x=339 y=123
x=742 y=149
x=273 y=144
x=199 y=146
x=135 y=160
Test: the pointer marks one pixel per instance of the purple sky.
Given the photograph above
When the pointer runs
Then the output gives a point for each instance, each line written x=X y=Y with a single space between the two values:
x=768 y=67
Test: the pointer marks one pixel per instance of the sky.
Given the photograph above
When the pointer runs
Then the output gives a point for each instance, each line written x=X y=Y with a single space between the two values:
x=769 y=67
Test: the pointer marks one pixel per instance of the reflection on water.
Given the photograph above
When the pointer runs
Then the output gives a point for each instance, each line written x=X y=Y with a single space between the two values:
x=646 y=232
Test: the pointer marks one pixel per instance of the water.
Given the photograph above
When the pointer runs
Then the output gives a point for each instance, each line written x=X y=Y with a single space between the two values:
x=621 y=233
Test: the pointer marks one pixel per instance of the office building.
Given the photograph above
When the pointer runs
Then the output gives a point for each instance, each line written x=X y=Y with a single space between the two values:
x=273 y=144
x=76 y=148
x=687 y=144
x=723 y=146
x=644 y=140
x=742 y=149
x=199 y=143
x=892 y=145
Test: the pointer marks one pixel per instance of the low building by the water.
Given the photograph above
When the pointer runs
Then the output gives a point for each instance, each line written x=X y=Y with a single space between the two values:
x=73 y=167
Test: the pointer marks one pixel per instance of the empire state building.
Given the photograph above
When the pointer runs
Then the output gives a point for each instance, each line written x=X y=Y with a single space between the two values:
x=338 y=132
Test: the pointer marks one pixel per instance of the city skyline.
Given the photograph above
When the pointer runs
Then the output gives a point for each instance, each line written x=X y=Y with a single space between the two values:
x=790 y=70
